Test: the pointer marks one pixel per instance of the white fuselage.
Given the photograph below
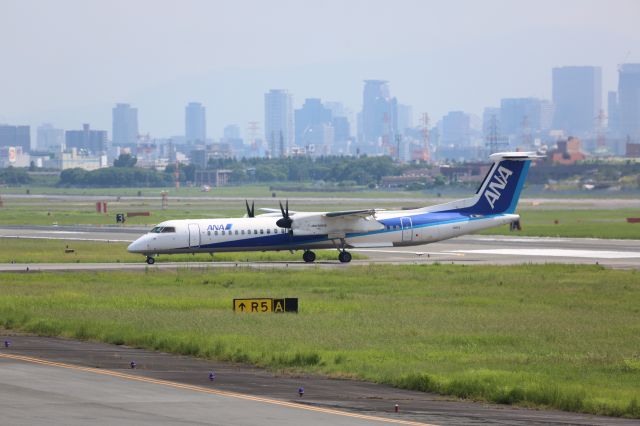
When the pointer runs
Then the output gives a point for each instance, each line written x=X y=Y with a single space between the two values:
x=260 y=233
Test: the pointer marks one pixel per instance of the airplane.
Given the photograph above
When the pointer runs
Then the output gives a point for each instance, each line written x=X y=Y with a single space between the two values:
x=493 y=204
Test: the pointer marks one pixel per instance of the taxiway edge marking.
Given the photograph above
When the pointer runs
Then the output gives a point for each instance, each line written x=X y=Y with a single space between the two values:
x=208 y=390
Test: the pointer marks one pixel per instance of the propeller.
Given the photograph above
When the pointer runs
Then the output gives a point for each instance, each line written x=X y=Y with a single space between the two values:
x=251 y=212
x=286 y=221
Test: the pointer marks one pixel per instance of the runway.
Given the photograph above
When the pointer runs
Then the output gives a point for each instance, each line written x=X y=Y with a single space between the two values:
x=469 y=249
x=65 y=382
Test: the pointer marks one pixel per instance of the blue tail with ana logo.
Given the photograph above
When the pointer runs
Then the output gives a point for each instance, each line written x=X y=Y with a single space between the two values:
x=500 y=190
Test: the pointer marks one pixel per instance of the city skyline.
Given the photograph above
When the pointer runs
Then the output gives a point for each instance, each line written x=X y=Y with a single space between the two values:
x=448 y=57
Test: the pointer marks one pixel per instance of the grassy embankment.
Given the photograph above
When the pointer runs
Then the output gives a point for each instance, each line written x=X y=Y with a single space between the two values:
x=550 y=336
x=30 y=250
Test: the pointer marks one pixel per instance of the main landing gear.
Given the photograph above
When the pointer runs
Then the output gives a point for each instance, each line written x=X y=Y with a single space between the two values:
x=344 y=257
x=150 y=260
x=309 y=256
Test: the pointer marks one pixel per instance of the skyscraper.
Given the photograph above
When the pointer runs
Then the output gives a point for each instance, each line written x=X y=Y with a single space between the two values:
x=125 y=125
x=278 y=122
x=577 y=97
x=379 y=112
x=405 y=118
x=612 y=112
x=15 y=136
x=49 y=138
x=456 y=128
x=516 y=114
x=629 y=101
x=195 y=123
x=93 y=141
x=311 y=115
x=231 y=131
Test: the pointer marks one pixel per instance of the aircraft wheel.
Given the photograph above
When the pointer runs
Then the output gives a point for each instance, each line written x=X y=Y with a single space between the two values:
x=309 y=256
x=344 y=257
x=151 y=260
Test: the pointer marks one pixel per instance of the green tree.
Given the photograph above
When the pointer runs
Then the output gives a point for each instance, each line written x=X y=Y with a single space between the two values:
x=125 y=160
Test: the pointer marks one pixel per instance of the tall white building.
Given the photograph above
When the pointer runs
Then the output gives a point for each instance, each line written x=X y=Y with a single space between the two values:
x=195 y=123
x=125 y=125
x=278 y=122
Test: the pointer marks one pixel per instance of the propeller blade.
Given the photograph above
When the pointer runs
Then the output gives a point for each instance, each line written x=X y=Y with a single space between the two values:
x=251 y=212
x=286 y=221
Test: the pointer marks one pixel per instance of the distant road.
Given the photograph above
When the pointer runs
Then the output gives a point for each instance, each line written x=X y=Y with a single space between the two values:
x=419 y=200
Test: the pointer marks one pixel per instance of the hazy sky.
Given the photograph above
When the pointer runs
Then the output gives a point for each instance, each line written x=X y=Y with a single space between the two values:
x=69 y=61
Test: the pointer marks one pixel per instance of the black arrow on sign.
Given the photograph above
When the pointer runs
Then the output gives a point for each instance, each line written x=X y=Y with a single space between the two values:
x=242 y=305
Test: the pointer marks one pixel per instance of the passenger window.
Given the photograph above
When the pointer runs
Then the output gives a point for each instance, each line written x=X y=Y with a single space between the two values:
x=216 y=232
x=208 y=232
x=262 y=231
x=236 y=232
x=268 y=231
x=255 y=231
x=242 y=232
x=223 y=233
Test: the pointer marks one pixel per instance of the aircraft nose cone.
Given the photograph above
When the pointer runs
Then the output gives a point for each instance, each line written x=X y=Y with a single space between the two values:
x=135 y=247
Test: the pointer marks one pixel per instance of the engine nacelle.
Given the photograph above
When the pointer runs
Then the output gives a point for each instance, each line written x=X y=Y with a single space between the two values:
x=322 y=225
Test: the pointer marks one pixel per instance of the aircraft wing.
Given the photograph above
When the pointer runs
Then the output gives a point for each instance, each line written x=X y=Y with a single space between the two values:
x=270 y=211
x=359 y=213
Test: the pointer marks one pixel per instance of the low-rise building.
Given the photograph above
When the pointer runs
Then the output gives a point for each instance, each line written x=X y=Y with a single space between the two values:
x=76 y=159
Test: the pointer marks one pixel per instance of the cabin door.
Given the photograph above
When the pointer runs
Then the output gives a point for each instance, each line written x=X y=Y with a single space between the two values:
x=407 y=232
x=194 y=235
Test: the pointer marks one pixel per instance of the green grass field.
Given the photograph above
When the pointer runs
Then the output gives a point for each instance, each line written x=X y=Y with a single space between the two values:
x=575 y=223
x=31 y=250
x=556 y=336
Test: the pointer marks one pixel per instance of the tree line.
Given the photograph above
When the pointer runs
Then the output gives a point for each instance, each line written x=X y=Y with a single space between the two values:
x=354 y=171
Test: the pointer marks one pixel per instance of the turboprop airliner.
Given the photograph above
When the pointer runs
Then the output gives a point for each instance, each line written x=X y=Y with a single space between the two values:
x=494 y=204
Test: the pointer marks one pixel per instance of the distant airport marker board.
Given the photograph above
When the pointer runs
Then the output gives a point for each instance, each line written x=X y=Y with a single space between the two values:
x=289 y=304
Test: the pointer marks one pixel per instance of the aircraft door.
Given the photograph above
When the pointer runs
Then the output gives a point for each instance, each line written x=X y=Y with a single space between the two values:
x=407 y=232
x=194 y=235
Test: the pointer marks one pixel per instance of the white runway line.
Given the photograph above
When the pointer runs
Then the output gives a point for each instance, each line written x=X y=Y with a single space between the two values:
x=416 y=253
x=590 y=254
x=524 y=240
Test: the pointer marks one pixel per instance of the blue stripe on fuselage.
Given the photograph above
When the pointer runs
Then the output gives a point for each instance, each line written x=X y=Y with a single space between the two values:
x=420 y=220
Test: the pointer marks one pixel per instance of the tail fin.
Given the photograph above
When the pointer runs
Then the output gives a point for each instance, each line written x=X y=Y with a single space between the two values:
x=500 y=190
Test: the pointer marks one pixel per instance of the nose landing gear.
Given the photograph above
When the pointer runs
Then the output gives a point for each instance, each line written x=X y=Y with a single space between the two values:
x=150 y=260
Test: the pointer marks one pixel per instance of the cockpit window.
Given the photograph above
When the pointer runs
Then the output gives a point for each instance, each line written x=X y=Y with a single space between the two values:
x=163 y=229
